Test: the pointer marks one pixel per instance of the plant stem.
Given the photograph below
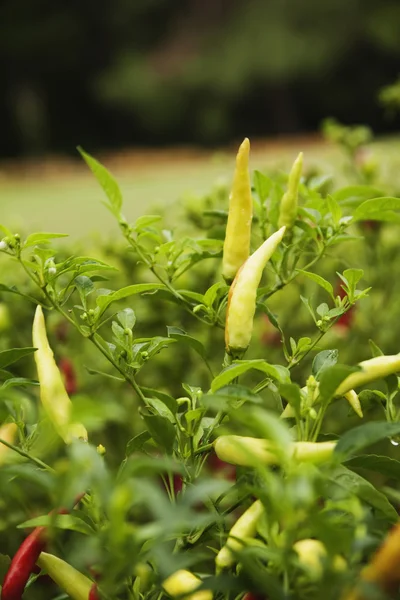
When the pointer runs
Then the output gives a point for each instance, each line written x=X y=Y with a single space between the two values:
x=39 y=462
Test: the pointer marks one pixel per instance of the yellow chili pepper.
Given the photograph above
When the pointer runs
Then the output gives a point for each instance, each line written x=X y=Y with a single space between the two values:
x=53 y=395
x=8 y=432
x=374 y=368
x=312 y=554
x=248 y=451
x=238 y=228
x=184 y=582
x=245 y=527
x=74 y=583
x=243 y=295
x=351 y=397
x=288 y=207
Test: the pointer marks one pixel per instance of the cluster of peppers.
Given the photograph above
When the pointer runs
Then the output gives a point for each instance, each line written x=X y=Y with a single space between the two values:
x=243 y=271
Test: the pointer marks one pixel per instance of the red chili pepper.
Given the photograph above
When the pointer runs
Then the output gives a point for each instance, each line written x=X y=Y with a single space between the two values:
x=220 y=466
x=24 y=560
x=69 y=376
x=93 y=594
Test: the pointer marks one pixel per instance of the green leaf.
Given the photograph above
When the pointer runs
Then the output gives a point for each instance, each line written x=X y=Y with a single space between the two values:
x=162 y=430
x=127 y=318
x=331 y=378
x=18 y=382
x=357 y=485
x=277 y=372
x=323 y=360
x=180 y=335
x=378 y=209
x=263 y=185
x=353 y=276
x=137 y=442
x=375 y=350
x=104 y=301
x=8 y=357
x=13 y=290
x=319 y=280
x=106 y=181
x=364 y=435
x=384 y=465
x=42 y=238
x=84 y=285
x=145 y=221
x=168 y=400
x=291 y=393
x=355 y=194
x=66 y=522
x=230 y=397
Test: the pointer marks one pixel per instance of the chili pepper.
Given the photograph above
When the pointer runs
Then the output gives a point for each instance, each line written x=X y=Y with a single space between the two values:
x=383 y=569
x=354 y=401
x=243 y=294
x=288 y=207
x=245 y=527
x=71 y=581
x=8 y=432
x=93 y=594
x=24 y=560
x=53 y=395
x=184 y=582
x=68 y=372
x=374 y=368
x=312 y=554
x=248 y=451
x=238 y=228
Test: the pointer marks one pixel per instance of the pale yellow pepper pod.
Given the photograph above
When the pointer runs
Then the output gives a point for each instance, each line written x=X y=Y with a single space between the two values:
x=238 y=228
x=245 y=527
x=71 y=581
x=248 y=451
x=374 y=368
x=53 y=395
x=243 y=294
x=354 y=401
x=184 y=582
x=8 y=433
x=289 y=202
x=312 y=554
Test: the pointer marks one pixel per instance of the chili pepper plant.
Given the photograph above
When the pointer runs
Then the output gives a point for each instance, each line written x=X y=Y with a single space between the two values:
x=202 y=463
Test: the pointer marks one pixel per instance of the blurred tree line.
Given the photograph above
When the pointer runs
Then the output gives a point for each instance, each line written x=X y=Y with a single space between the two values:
x=126 y=72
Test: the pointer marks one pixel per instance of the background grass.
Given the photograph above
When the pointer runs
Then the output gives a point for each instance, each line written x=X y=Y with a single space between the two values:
x=68 y=200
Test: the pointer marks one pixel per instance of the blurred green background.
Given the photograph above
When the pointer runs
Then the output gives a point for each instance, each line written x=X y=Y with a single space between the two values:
x=164 y=72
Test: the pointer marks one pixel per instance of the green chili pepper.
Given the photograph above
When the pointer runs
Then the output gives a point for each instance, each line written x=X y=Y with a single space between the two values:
x=184 y=582
x=238 y=228
x=8 y=432
x=245 y=527
x=74 y=583
x=243 y=295
x=248 y=451
x=53 y=395
x=288 y=207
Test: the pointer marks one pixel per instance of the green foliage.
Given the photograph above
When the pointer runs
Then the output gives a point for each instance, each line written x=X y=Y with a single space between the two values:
x=142 y=323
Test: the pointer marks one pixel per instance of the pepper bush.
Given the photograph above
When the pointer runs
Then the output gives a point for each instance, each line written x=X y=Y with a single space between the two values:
x=184 y=436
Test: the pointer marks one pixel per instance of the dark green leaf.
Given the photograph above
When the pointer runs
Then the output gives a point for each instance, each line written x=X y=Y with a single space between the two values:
x=372 y=462
x=66 y=522
x=180 y=335
x=277 y=372
x=137 y=442
x=365 y=435
x=104 y=301
x=162 y=430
